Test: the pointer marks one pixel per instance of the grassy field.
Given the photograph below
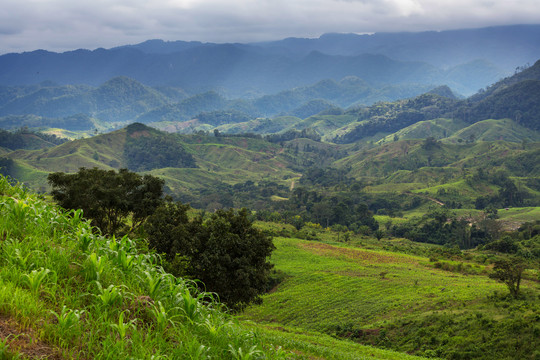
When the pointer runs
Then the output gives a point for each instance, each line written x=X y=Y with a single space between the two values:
x=332 y=285
x=386 y=298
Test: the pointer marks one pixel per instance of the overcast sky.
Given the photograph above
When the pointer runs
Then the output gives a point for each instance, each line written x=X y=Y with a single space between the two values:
x=59 y=25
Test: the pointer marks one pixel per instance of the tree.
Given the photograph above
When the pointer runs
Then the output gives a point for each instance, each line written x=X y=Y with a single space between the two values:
x=6 y=166
x=509 y=271
x=108 y=198
x=225 y=251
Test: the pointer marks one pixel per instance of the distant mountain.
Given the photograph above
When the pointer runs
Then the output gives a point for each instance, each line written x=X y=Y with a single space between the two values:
x=119 y=99
x=505 y=46
x=122 y=99
x=516 y=97
x=466 y=60
x=236 y=68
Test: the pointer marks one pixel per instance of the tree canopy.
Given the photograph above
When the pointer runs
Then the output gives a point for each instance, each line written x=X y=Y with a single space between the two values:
x=108 y=198
x=225 y=251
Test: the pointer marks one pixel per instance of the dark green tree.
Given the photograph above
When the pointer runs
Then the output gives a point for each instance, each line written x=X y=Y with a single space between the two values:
x=225 y=251
x=108 y=198
x=6 y=166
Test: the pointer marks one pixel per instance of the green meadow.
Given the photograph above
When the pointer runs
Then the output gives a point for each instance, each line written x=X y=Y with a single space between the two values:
x=400 y=301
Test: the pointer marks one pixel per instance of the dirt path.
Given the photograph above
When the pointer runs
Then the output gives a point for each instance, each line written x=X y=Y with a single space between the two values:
x=438 y=202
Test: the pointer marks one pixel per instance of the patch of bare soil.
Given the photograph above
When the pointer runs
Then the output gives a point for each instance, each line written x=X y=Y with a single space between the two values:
x=138 y=134
x=25 y=342
x=372 y=257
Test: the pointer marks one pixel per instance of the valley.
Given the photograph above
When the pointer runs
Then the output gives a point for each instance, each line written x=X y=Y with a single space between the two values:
x=399 y=195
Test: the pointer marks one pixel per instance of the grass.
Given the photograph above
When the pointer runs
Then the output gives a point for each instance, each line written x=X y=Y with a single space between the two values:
x=76 y=294
x=387 y=298
x=331 y=285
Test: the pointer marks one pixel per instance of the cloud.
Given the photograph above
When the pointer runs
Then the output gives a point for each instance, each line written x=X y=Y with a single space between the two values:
x=66 y=24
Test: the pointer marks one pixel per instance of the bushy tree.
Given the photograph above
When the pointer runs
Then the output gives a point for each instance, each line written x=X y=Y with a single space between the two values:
x=108 y=198
x=509 y=271
x=225 y=251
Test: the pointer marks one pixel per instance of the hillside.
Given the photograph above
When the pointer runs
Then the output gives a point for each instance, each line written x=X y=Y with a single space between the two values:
x=69 y=293
x=518 y=101
x=421 y=155
x=140 y=148
x=394 y=293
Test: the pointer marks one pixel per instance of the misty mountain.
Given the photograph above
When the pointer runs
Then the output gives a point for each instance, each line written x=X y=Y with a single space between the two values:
x=119 y=99
x=123 y=99
x=465 y=60
x=505 y=46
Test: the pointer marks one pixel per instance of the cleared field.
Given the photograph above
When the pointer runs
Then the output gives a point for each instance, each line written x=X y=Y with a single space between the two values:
x=413 y=304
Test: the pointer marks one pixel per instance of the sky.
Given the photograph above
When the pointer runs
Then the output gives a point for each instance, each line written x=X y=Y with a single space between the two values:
x=62 y=25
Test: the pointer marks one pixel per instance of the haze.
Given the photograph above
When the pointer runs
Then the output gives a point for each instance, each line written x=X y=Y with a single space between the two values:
x=60 y=25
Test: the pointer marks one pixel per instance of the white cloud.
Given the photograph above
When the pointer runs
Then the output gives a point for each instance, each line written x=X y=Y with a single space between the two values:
x=67 y=24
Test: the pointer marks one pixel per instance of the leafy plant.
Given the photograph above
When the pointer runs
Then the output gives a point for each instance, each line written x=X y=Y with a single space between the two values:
x=67 y=321
x=124 y=260
x=94 y=266
x=162 y=317
x=123 y=327
x=35 y=279
x=189 y=305
x=241 y=354
x=110 y=296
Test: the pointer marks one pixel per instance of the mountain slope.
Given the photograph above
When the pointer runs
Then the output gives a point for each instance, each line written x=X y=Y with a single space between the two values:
x=506 y=46
x=242 y=69
x=141 y=148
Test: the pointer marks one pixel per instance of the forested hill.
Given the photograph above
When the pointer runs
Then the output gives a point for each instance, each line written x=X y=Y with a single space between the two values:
x=516 y=97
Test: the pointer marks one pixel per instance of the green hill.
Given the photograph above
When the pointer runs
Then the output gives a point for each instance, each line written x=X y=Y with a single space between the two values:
x=436 y=128
x=493 y=130
x=141 y=148
x=66 y=292
x=424 y=305
x=261 y=125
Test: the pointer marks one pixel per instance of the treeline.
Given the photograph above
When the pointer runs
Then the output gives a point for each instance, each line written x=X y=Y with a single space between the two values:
x=294 y=134
x=508 y=194
x=77 y=122
x=518 y=102
x=7 y=166
x=390 y=117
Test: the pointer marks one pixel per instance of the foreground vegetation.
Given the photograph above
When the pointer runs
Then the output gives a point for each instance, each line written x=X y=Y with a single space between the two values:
x=67 y=292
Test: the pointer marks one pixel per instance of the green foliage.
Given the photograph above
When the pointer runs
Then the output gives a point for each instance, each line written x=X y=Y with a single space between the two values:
x=112 y=318
x=509 y=272
x=225 y=252
x=145 y=150
x=6 y=166
x=391 y=117
x=399 y=301
x=108 y=197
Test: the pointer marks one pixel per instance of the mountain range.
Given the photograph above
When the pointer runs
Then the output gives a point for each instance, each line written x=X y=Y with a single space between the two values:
x=465 y=60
